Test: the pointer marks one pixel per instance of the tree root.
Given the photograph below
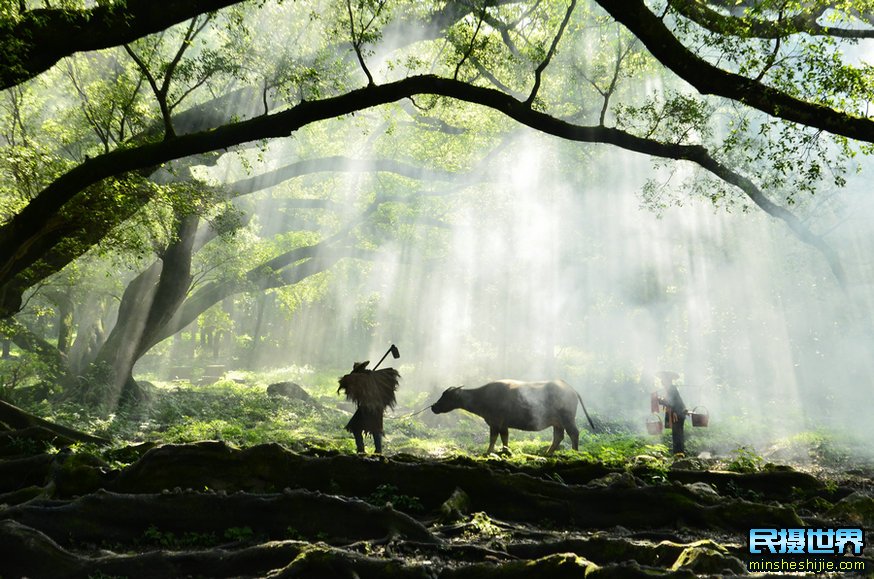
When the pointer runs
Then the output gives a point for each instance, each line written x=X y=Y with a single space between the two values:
x=28 y=552
x=125 y=518
x=509 y=496
x=18 y=419
x=19 y=473
x=527 y=522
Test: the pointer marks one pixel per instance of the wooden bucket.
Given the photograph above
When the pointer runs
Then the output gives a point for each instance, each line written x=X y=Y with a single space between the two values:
x=700 y=418
x=654 y=425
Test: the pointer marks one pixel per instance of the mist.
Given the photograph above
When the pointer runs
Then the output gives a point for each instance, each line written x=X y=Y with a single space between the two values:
x=564 y=225
x=553 y=265
x=506 y=253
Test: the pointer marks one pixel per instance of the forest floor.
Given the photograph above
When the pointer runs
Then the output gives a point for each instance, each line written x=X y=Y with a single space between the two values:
x=225 y=480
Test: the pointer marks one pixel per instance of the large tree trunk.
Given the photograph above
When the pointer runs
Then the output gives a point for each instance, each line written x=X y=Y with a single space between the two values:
x=148 y=303
x=64 y=302
x=287 y=269
x=90 y=334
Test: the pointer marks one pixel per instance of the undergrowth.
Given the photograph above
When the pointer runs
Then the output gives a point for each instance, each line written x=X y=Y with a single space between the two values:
x=238 y=410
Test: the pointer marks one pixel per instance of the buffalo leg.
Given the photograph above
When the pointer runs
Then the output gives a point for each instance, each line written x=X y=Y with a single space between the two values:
x=557 y=437
x=505 y=437
x=377 y=443
x=574 y=433
x=359 y=441
x=493 y=437
x=569 y=423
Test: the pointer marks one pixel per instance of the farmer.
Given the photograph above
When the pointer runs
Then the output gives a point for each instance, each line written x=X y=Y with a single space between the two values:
x=675 y=410
x=372 y=391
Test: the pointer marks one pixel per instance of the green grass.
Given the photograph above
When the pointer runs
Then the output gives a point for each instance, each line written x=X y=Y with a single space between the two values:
x=238 y=410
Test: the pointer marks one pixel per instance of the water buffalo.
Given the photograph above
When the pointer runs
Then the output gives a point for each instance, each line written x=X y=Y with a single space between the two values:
x=506 y=404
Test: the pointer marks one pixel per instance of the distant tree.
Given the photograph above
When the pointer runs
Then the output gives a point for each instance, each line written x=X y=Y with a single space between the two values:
x=774 y=116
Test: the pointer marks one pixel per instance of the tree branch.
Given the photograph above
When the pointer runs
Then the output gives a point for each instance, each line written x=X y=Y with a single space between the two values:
x=21 y=237
x=487 y=74
x=709 y=79
x=162 y=92
x=356 y=44
x=805 y=22
x=190 y=34
x=332 y=164
x=39 y=38
x=607 y=93
x=538 y=73
x=472 y=44
x=160 y=95
x=103 y=135
x=287 y=268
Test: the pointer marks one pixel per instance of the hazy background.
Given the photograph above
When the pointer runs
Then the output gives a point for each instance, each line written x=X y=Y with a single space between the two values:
x=552 y=267
x=539 y=259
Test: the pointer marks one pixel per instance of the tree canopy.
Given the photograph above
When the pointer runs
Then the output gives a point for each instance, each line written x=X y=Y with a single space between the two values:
x=116 y=116
x=35 y=39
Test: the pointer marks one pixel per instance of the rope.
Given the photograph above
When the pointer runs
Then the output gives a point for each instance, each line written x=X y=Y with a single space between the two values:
x=410 y=415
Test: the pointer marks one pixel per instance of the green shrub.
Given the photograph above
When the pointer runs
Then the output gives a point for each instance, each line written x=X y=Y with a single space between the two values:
x=745 y=460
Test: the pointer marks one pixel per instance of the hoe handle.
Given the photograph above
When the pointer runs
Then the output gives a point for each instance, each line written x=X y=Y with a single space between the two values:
x=391 y=351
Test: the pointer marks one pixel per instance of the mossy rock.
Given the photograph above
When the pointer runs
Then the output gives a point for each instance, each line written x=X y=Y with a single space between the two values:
x=817 y=505
x=605 y=549
x=857 y=508
x=616 y=480
x=774 y=467
x=646 y=461
x=130 y=453
x=290 y=390
x=456 y=507
x=708 y=557
x=667 y=552
x=704 y=491
x=556 y=566
x=740 y=514
x=77 y=474
x=633 y=570
x=322 y=561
